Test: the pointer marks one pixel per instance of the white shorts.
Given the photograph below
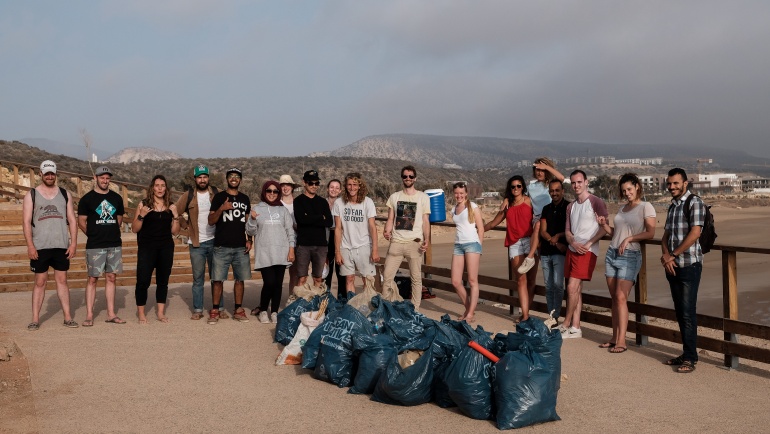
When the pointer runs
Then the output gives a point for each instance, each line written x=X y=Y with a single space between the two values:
x=519 y=248
x=357 y=259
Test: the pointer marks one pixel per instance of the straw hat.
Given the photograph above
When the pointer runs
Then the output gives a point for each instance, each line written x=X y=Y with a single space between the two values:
x=286 y=179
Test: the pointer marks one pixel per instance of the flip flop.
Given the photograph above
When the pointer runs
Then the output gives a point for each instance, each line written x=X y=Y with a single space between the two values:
x=618 y=350
x=115 y=320
x=607 y=345
x=87 y=323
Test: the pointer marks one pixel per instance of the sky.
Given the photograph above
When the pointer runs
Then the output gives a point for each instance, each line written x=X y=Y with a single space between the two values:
x=231 y=78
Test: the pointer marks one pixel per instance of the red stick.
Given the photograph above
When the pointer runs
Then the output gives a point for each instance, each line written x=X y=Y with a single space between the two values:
x=483 y=351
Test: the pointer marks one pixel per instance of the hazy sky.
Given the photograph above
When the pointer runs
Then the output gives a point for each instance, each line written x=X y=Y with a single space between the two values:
x=245 y=78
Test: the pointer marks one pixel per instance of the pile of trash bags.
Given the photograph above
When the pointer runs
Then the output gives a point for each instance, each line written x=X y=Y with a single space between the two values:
x=400 y=357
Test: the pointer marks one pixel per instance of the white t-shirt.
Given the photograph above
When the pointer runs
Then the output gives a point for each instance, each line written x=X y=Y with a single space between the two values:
x=631 y=223
x=354 y=219
x=581 y=220
x=538 y=194
x=409 y=211
x=466 y=232
x=205 y=230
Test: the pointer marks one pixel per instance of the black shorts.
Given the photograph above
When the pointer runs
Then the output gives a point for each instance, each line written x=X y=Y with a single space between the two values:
x=55 y=258
x=307 y=255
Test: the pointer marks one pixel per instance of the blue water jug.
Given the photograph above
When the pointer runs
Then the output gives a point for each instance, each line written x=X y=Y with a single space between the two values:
x=437 y=205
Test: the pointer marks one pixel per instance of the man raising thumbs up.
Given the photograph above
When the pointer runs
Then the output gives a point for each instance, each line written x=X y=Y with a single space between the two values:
x=229 y=210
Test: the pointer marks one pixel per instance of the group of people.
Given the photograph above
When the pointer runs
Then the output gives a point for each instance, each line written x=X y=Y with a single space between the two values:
x=308 y=234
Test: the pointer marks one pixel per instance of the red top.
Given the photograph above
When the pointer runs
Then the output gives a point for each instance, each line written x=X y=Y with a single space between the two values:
x=518 y=222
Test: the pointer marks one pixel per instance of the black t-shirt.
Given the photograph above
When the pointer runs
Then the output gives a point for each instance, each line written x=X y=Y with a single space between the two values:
x=313 y=217
x=231 y=226
x=556 y=221
x=102 y=210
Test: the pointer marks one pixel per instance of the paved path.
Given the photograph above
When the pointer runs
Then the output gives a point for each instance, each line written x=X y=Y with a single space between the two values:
x=187 y=376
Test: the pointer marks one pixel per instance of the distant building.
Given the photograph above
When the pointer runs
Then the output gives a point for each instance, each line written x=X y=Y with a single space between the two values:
x=721 y=181
x=758 y=185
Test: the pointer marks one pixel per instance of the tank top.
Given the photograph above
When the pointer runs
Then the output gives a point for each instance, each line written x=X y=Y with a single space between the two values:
x=518 y=223
x=466 y=231
x=50 y=217
x=156 y=229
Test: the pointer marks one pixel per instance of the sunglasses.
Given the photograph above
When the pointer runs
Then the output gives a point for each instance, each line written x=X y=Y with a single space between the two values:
x=408 y=177
x=271 y=191
x=516 y=186
x=315 y=183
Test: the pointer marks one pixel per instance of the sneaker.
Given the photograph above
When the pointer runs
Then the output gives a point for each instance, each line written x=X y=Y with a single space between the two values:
x=239 y=315
x=571 y=333
x=274 y=318
x=223 y=314
x=33 y=326
x=71 y=324
x=263 y=318
x=550 y=322
x=526 y=265
x=213 y=317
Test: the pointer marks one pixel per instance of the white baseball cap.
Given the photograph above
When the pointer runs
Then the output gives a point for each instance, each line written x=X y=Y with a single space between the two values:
x=47 y=166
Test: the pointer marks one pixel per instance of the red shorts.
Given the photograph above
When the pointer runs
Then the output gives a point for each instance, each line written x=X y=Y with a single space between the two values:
x=579 y=266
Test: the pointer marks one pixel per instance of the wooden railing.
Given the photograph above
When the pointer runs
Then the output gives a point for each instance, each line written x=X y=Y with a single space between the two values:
x=728 y=323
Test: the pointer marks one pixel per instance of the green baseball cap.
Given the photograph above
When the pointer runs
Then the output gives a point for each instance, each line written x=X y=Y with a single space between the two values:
x=200 y=170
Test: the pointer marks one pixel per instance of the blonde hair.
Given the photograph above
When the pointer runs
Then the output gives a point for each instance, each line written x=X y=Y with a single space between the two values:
x=362 y=189
x=548 y=162
x=468 y=203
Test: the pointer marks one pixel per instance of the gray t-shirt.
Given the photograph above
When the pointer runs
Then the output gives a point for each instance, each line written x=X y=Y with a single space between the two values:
x=354 y=218
x=50 y=218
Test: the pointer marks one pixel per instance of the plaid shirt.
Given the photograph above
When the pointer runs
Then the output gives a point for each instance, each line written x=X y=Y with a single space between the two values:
x=676 y=225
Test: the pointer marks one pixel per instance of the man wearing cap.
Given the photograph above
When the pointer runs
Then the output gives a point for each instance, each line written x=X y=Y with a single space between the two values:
x=313 y=217
x=196 y=202
x=100 y=217
x=408 y=231
x=51 y=233
x=228 y=213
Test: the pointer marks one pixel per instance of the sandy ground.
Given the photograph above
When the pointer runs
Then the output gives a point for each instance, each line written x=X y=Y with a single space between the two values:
x=187 y=376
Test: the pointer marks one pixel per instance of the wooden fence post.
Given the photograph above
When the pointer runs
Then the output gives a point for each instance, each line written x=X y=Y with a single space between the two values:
x=730 y=299
x=640 y=294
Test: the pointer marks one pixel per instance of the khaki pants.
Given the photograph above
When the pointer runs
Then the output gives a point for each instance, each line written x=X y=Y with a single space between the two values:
x=397 y=252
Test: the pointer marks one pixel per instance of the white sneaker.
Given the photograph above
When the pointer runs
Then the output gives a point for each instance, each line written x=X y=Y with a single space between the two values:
x=571 y=333
x=263 y=317
x=274 y=318
x=526 y=265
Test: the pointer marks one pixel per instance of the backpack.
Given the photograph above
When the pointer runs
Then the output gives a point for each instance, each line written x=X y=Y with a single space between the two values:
x=214 y=190
x=708 y=233
x=66 y=199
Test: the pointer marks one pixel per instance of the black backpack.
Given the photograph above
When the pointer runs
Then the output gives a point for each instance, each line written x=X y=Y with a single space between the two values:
x=66 y=199
x=708 y=234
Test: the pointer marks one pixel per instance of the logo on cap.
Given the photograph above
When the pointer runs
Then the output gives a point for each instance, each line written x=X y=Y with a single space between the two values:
x=201 y=170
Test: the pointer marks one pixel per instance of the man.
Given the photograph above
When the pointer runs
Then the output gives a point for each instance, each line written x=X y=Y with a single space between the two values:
x=355 y=239
x=553 y=246
x=408 y=212
x=583 y=233
x=197 y=204
x=100 y=217
x=683 y=261
x=229 y=210
x=51 y=233
x=313 y=217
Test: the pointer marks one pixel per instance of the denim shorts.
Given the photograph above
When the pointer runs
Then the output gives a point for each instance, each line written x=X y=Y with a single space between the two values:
x=623 y=267
x=520 y=247
x=462 y=249
x=224 y=257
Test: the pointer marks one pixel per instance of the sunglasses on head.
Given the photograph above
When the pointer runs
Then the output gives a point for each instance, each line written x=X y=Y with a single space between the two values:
x=516 y=186
x=316 y=183
x=271 y=191
x=408 y=177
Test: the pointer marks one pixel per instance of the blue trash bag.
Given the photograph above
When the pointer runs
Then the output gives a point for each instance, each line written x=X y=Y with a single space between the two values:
x=543 y=341
x=469 y=384
x=374 y=352
x=408 y=386
x=288 y=318
x=523 y=389
x=384 y=310
x=336 y=362
x=447 y=344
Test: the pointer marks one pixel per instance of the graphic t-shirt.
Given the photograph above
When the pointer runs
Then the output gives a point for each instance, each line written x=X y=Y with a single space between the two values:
x=102 y=210
x=354 y=218
x=409 y=211
x=231 y=226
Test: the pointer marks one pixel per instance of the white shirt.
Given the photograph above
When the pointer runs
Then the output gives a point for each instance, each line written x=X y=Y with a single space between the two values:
x=354 y=219
x=205 y=231
x=466 y=232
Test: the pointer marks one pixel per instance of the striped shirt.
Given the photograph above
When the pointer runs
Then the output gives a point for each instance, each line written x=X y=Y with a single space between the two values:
x=678 y=228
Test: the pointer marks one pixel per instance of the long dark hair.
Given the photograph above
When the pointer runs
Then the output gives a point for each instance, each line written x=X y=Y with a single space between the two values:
x=149 y=200
x=508 y=194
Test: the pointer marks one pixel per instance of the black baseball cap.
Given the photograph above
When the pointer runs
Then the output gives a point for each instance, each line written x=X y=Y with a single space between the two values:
x=311 y=175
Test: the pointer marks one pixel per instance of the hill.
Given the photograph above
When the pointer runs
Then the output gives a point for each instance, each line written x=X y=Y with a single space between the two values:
x=141 y=154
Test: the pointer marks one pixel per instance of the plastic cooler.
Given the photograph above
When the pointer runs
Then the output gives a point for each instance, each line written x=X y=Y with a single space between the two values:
x=437 y=205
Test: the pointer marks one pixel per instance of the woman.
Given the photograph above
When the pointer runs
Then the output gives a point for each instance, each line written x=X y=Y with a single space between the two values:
x=543 y=170
x=633 y=223
x=155 y=222
x=272 y=226
x=516 y=210
x=287 y=199
x=467 y=250
x=333 y=190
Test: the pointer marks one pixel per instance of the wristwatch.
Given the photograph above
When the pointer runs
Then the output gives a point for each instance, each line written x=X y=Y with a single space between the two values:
x=140 y=217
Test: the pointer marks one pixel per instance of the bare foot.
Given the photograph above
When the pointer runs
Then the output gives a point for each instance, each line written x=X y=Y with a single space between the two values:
x=163 y=319
x=470 y=318
x=142 y=320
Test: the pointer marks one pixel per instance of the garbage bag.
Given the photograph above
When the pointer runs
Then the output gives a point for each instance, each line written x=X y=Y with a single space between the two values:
x=374 y=352
x=363 y=300
x=289 y=318
x=335 y=362
x=543 y=341
x=469 y=384
x=292 y=353
x=385 y=310
x=406 y=386
x=523 y=389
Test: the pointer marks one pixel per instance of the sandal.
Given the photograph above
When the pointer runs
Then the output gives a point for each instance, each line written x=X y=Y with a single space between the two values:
x=686 y=367
x=197 y=315
x=607 y=345
x=255 y=311
x=617 y=350
x=677 y=361
x=88 y=323
x=115 y=320
x=33 y=326
x=71 y=324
